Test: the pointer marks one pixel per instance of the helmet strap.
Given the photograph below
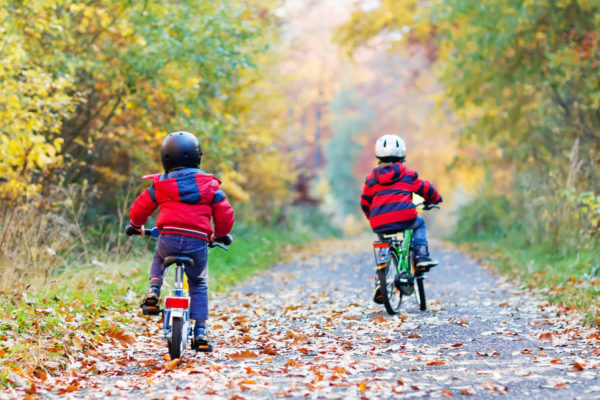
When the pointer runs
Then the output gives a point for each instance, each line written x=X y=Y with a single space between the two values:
x=391 y=159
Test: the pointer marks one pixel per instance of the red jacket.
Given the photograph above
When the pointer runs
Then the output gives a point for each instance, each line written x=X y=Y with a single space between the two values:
x=387 y=197
x=187 y=198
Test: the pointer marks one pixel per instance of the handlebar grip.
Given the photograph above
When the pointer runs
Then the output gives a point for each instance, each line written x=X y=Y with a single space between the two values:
x=131 y=231
x=226 y=240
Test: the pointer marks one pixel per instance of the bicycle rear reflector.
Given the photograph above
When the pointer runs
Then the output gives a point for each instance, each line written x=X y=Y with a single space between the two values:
x=177 y=302
x=382 y=251
x=379 y=245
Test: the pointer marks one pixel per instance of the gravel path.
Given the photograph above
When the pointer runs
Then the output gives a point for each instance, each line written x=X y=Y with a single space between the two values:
x=309 y=329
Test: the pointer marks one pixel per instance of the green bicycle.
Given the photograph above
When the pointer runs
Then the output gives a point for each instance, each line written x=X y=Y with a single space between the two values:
x=397 y=275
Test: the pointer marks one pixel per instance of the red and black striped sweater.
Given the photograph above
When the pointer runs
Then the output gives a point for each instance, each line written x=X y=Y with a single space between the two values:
x=387 y=197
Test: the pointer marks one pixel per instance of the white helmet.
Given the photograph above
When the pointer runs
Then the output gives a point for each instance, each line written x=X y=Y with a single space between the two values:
x=390 y=146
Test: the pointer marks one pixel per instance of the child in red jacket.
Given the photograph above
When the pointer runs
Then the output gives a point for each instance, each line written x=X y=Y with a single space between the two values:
x=188 y=198
x=387 y=197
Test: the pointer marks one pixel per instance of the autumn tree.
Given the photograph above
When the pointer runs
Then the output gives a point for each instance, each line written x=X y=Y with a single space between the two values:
x=90 y=89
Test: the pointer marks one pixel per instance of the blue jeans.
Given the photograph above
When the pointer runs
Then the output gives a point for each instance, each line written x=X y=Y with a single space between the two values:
x=197 y=275
x=419 y=232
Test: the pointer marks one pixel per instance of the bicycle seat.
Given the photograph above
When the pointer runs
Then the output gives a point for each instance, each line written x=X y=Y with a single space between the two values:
x=390 y=235
x=187 y=261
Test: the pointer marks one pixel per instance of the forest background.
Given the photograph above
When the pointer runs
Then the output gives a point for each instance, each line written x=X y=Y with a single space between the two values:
x=499 y=103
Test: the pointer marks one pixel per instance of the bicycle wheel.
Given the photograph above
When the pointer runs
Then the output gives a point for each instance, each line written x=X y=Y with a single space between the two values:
x=176 y=343
x=419 y=283
x=392 y=298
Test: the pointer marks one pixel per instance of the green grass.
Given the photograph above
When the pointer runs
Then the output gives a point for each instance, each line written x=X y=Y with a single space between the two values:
x=569 y=278
x=549 y=242
x=39 y=327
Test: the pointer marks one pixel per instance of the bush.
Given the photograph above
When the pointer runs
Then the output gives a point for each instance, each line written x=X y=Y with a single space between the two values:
x=46 y=236
x=486 y=215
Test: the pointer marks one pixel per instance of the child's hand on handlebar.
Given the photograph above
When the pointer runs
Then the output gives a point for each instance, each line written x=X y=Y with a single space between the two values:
x=226 y=240
x=429 y=206
x=132 y=230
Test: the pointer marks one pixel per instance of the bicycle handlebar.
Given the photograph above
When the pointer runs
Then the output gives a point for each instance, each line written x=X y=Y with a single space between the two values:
x=220 y=241
x=131 y=231
x=226 y=240
x=427 y=206
x=152 y=232
x=215 y=244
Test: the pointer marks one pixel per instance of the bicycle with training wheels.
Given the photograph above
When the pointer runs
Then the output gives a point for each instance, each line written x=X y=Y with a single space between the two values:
x=177 y=327
x=397 y=274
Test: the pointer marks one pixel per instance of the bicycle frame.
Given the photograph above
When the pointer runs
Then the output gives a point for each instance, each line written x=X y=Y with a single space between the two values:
x=176 y=317
x=396 y=279
x=400 y=246
x=403 y=252
x=407 y=279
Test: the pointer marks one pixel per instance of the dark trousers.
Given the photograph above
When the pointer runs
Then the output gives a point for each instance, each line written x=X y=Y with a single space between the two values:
x=197 y=276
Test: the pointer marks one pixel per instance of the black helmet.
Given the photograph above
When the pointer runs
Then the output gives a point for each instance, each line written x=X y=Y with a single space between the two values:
x=180 y=149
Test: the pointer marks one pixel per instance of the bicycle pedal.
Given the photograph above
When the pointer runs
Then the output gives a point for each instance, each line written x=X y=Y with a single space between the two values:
x=203 y=347
x=378 y=297
x=151 y=310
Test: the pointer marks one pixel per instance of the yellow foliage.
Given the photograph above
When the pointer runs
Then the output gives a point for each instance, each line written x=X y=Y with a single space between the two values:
x=83 y=95
x=32 y=108
x=268 y=179
x=232 y=184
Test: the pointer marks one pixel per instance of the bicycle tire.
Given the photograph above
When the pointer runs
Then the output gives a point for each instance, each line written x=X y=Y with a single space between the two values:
x=175 y=344
x=419 y=283
x=392 y=298
x=421 y=290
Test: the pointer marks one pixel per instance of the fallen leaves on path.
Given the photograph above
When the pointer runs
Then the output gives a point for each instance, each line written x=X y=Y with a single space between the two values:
x=304 y=332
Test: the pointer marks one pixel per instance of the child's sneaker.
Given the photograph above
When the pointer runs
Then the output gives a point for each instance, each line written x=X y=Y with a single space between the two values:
x=200 y=341
x=422 y=257
x=151 y=297
x=378 y=296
